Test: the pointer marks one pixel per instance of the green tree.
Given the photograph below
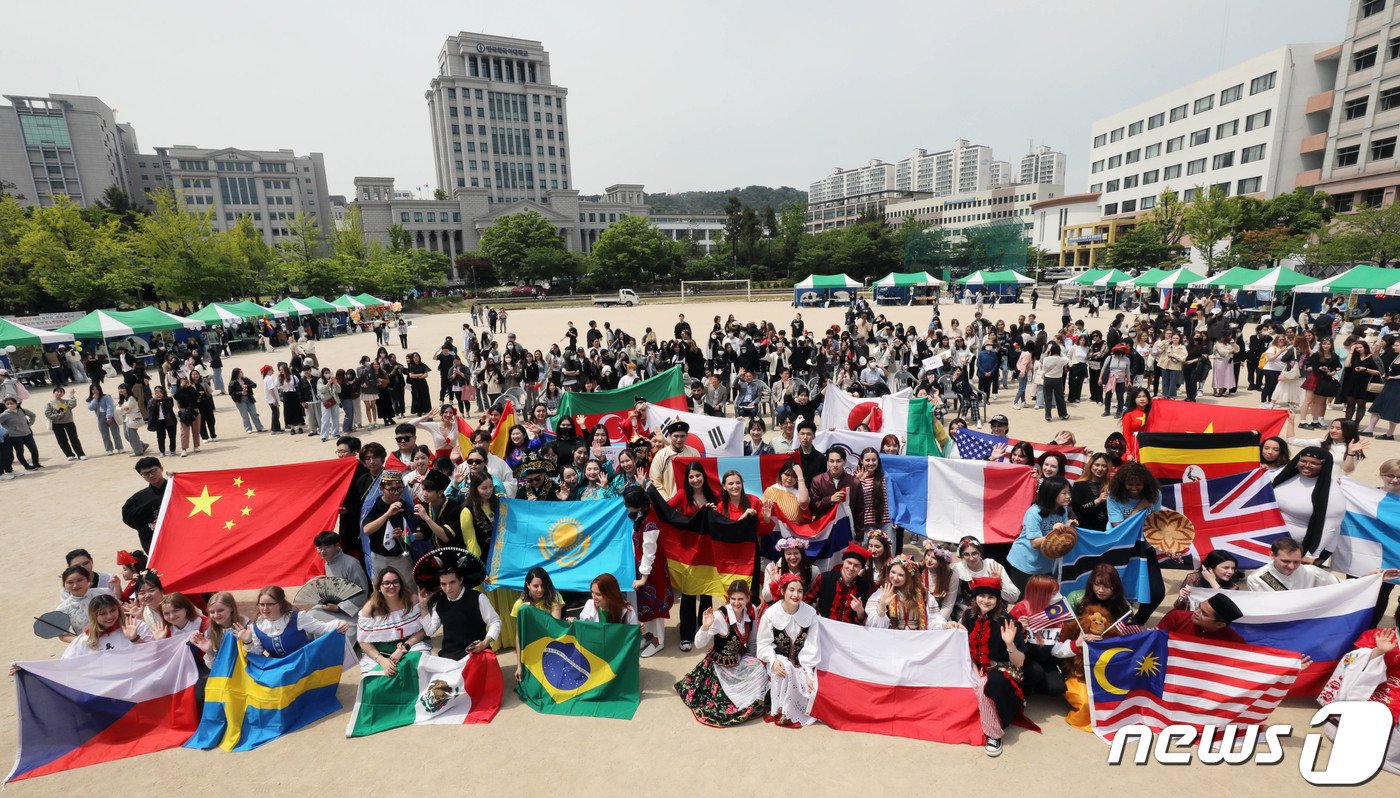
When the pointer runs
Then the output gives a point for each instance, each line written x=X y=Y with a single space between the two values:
x=1368 y=234
x=121 y=205
x=79 y=264
x=399 y=237
x=17 y=288
x=792 y=229
x=7 y=189
x=440 y=194
x=633 y=252
x=1147 y=245
x=1209 y=219
x=507 y=242
x=301 y=265
x=252 y=258
x=183 y=256
x=733 y=225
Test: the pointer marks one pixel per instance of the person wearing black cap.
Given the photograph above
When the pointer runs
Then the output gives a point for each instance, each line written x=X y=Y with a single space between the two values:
x=439 y=518
x=1000 y=425
x=468 y=622
x=389 y=526
x=998 y=649
x=536 y=484
x=661 y=473
x=841 y=593
x=1209 y=621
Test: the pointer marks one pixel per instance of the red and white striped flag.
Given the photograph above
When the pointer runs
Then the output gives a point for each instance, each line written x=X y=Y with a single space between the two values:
x=1053 y=615
x=1126 y=625
x=1158 y=679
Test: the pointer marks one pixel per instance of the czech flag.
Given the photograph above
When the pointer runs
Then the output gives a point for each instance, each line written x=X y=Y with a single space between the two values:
x=85 y=710
x=1321 y=622
x=946 y=499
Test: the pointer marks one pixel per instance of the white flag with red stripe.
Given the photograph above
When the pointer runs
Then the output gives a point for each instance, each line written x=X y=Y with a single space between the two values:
x=1158 y=679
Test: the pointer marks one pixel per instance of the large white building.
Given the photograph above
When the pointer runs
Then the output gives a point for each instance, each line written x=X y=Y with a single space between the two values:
x=1238 y=129
x=1041 y=165
x=975 y=208
x=65 y=144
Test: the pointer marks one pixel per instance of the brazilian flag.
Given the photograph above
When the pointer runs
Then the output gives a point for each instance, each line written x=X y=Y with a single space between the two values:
x=579 y=668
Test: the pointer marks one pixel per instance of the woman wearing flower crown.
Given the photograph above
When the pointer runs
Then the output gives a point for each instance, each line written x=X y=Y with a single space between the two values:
x=878 y=542
x=730 y=685
x=792 y=559
x=901 y=602
x=940 y=582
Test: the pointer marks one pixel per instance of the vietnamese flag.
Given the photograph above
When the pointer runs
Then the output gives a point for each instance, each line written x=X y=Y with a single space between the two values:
x=613 y=408
x=246 y=528
x=1170 y=415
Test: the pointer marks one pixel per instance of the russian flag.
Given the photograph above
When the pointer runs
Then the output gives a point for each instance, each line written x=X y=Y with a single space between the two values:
x=898 y=683
x=946 y=499
x=1370 y=536
x=1321 y=622
x=86 y=710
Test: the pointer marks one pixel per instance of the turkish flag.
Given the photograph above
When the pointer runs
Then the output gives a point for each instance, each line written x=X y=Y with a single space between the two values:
x=247 y=528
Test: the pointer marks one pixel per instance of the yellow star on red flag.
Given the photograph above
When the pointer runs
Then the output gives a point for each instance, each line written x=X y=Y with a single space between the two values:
x=203 y=503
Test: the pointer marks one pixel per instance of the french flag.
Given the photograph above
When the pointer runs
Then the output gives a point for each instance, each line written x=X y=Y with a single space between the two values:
x=1320 y=622
x=902 y=684
x=946 y=499
x=106 y=706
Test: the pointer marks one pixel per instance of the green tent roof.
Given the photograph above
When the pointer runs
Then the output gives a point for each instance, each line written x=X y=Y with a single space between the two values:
x=1280 y=279
x=371 y=302
x=1237 y=277
x=347 y=302
x=116 y=323
x=1003 y=277
x=1361 y=279
x=12 y=334
x=300 y=306
x=903 y=280
x=822 y=281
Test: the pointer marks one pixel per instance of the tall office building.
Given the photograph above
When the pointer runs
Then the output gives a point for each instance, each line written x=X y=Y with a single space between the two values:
x=498 y=122
x=1042 y=165
x=64 y=144
x=1354 y=120
x=1238 y=130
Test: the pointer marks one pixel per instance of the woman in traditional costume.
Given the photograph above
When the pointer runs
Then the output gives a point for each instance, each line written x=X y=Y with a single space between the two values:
x=901 y=601
x=389 y=625
x=281 y=629
x=108 y=628
x=730 y=685
x=788 y=645
x=652 y=589
x=998 y=653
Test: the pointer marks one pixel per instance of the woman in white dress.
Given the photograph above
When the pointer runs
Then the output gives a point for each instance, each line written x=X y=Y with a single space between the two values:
x=389 y=625
x=788 y=645
x=280 y=628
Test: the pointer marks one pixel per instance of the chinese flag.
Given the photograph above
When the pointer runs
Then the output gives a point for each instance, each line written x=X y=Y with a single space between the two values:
x=247 y=528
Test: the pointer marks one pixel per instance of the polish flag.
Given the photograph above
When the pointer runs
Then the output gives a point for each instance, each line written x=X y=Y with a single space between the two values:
x=902 y=684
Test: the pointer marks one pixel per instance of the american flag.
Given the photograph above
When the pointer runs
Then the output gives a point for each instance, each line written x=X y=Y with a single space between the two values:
x=1236 y=513
x=973 y=445
x=1158 y=679
x=1053 y=615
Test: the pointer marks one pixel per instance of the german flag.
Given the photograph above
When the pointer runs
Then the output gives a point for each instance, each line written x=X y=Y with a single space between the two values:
x=704 y=552
x=1178 y=456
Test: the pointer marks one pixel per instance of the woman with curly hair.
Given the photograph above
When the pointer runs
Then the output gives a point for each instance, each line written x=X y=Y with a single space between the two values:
x=901 y=602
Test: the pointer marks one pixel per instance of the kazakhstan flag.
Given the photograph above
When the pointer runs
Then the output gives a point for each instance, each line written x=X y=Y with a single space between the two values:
x=579 y=668
x=251 y=700
x=573 y=541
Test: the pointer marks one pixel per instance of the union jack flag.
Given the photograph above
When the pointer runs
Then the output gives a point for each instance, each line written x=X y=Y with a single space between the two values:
x=1236 y=513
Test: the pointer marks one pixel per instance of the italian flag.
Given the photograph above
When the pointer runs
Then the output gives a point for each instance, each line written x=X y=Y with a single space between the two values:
x=428 y=690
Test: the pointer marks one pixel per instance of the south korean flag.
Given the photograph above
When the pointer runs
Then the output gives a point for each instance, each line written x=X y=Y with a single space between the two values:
x=711 y=436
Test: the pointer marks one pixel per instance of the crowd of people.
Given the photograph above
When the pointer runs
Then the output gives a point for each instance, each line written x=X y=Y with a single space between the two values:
x=433 y=490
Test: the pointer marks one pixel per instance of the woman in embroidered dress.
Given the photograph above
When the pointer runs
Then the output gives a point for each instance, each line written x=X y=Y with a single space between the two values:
x=880 y=555
x=998 y=653
x=280 y=628
x=730 y=685
x=788 y=645
x=900 y=602
x=651 y=592
x=389 y=625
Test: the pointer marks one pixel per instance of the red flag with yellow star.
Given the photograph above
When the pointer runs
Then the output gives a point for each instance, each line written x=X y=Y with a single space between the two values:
x=247 y=528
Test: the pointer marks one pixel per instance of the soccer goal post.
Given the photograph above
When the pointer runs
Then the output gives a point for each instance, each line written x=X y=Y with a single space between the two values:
x=707 y=290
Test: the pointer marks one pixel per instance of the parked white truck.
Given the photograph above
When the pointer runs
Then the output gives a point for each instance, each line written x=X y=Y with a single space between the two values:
x=625 y=296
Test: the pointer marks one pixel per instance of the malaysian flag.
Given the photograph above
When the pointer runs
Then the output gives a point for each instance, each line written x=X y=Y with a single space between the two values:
x=1125 y=625
x=1158 y=679
x=973 y=445
x=1235 y=513
x=1053 y=615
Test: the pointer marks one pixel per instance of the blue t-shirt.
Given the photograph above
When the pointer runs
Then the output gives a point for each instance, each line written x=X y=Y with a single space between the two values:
x=1120 y=511
x=1026 y=558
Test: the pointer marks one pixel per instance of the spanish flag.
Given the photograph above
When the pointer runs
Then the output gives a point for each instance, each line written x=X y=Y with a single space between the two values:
x=1190 y=456
x=250 y=699
x=500 y=439
x=579 y=668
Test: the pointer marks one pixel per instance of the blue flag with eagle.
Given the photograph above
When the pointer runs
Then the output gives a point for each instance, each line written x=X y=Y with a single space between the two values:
x=573 y=541
x=579 y=668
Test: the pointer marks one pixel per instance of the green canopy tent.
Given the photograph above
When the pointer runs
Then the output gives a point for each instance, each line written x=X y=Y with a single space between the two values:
x=305 y=306
x=1086 y=278
x=347 y=302
x=821 y=287
x=1361 y=279
x=898 y=287
x=226 y=313
x=103 y=324
x=151 y=319
x=370 y=302
x=12 y=334
x=1101 y=278
x=1279 y=279
x=1163 y=279
x=1004 y=277
x=256 y=311
x=1231 y=279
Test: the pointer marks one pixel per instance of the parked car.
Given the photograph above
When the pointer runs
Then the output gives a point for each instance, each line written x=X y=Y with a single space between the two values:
x=528 y=290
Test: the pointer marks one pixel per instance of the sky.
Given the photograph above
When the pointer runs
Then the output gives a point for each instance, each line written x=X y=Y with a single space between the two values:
x=677 y=96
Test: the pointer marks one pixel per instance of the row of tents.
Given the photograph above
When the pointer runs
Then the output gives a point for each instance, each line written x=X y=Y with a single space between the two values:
x=106 y=324
x=828 y=286
x=1357 y=280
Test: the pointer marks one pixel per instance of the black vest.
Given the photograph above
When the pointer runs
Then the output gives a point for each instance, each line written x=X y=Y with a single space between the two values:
x=462 y=623
x=826 y=594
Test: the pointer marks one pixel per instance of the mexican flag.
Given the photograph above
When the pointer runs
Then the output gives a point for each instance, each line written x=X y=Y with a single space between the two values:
x=428 y=690
x=900 y=413
x=613 y=408
x=579 y=668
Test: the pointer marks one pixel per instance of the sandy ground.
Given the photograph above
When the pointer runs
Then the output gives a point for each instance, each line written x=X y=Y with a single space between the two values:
x=661 y=749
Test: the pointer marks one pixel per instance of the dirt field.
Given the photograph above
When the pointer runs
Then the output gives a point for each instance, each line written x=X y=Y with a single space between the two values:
x=662 y=750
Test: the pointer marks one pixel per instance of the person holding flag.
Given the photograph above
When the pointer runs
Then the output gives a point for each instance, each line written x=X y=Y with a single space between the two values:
x=468 y=622
x=729 y=686
x=661 y=473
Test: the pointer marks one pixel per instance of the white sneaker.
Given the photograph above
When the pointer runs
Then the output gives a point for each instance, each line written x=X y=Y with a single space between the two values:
x=184 y=453
x=6 y=477
x=71 y=458
x=82 y=457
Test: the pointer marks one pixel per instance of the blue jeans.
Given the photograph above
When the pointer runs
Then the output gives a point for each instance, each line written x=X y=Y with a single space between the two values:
x=1171 y=380
x=1021 y=389
x=248 y=411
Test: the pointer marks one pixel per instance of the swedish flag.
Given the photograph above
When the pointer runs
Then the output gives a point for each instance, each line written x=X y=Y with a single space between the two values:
x=579 y=668
x=251 y=700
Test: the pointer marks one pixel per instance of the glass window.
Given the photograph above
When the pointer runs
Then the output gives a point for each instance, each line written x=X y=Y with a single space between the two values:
x=1110 y=209
x=1196 y=167
x=1231 y=94
x=1200 y=137
x=1389 y=99
x=1371 y=7
x=1097 y=167
x=1262 y=83
x=1364 y=59
x=1223 y=161
x=1355 y=109
x=403 y=216
x=1373 y=197
x=1204 y=104
x=1133 y=156
x=1347 y=156
x=1188 y=195
x=1225 y=130
x=417 y=216
x=1156 y=120
x=1383 y=149
x=1111 y=186
x=1249 y=185
x=1096 y=188
x=1252 y=154
x=1131 y=181
x=1255 y=121
x=1128 y=206
x=1152 y=151
x=432 y=217
x=1135 y=128
x=1147 y=202
x=1149 y=177
x=1395 y=47
x=1175 y=144
x=1342 y=203
x=1224 y=188
x=1178 y=113
x=1115 y=161
x=1116 y=135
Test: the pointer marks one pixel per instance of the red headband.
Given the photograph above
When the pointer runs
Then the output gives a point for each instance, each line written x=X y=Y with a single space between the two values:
x=125 y=558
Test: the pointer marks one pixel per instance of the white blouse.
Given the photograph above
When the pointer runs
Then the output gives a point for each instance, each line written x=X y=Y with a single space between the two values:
x=776 y=618
x=306 y=622
x=876 y=617
x=590 y=613
x=115 y=640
